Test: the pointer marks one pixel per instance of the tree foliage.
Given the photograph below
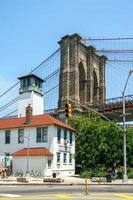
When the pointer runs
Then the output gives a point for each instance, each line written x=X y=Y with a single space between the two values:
x=99 y=142
x=130 y=147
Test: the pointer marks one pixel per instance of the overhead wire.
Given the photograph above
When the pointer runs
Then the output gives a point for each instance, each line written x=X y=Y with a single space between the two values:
x=9 y=89
x=10 y=114
x=51 y=75
x=105 y=39
x=30 y=72
x=11 y=102
x=44 y=61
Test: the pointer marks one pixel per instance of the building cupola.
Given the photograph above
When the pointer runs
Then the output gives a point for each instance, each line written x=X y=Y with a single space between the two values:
x=30 y=92
x=30 y=83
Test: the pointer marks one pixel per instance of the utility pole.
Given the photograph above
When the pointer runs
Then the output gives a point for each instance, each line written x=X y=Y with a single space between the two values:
x=125 y=177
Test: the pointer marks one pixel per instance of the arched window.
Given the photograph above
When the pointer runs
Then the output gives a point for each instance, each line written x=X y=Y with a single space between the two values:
x=95 y=83
x=81 y=82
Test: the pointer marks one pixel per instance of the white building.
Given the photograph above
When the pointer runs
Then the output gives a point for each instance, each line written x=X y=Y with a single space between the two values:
x=36 y=141
x=30 y=92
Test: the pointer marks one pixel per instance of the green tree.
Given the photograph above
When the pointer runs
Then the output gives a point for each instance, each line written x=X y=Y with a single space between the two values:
x=98 y=142
x=130 y=147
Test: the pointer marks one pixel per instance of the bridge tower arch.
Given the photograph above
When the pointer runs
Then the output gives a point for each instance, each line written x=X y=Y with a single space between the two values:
x=82 y=72
x=82 y=83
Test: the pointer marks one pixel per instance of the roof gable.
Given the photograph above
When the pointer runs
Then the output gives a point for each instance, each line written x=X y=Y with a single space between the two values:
x=29 y=76
x=33 y=152
x=37 y=120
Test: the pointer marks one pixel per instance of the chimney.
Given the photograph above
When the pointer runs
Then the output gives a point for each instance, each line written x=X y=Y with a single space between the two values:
x=28 y=117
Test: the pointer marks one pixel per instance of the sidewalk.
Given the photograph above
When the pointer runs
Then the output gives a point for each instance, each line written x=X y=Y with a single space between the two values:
x=81 y=181
x=72 y=180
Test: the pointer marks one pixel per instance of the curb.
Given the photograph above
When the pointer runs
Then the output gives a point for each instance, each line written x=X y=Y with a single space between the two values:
x=34 y=184
x=66 y=184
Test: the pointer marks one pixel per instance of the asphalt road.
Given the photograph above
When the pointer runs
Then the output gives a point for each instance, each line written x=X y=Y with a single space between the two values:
x=22 y=190
x=96 y=192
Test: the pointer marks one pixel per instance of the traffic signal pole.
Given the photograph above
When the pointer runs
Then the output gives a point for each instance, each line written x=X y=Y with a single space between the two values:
x=98 y=113
x=68 y=110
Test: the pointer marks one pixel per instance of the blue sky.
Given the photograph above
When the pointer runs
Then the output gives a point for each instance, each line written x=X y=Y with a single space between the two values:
x=30 y=29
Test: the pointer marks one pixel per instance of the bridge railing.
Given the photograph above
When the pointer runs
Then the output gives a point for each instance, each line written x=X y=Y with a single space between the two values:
x=107 y=105
x=114 y=103
x=51 y=111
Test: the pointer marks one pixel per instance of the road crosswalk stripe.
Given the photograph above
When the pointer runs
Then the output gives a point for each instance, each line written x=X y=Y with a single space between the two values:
x=125 y=196
x=62 y=196
x=9 y=195
x=8 y=186
x=90 y=196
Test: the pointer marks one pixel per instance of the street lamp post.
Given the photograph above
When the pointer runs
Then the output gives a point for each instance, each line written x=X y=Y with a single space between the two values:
x=125 y=177
x=28 y=141
x=27 y=169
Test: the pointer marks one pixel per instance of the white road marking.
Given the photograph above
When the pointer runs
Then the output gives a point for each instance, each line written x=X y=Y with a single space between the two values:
x=9 y=195
x=8 y=186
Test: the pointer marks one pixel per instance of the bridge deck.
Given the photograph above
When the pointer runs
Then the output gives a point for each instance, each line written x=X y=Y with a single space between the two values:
x=111 y=108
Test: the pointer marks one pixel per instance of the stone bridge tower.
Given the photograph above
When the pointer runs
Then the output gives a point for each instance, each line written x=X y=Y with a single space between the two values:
x=82 y=75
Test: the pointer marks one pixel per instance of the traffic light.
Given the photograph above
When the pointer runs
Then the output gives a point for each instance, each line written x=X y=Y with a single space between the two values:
x=68 y=110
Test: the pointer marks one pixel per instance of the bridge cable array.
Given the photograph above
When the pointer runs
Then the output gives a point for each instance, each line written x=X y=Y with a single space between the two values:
x=113 y=73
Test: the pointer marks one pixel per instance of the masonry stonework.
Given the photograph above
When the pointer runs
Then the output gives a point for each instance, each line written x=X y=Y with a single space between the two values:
x=82 y=72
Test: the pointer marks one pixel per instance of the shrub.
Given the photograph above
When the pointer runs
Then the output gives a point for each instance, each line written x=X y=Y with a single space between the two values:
x=130 y=173
x=108 y=177
x=119 y=175
x=93 y=173
x=86 y=174
x=101 y=173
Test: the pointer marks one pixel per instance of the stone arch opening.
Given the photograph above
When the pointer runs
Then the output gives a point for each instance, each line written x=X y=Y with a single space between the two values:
x=81 y=82
x=95 y=84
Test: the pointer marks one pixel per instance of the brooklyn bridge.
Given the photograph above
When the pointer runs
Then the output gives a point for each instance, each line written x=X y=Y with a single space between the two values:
x=90 y=71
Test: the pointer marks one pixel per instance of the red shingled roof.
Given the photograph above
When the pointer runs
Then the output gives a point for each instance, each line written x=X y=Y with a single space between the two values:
x=37 y=120
x=33 y=152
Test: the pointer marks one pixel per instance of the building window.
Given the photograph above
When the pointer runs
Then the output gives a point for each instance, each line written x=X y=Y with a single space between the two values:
x=38 y=84
x=58 y=158
x=7 y=137
x=64 y=158
x=24 y=83
x=59 y=135
x=20 y=135
x=41 y=135
x=28 y=82
x=65 y=135
x=71 y=137
x=70 y=158
x=49 y=163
